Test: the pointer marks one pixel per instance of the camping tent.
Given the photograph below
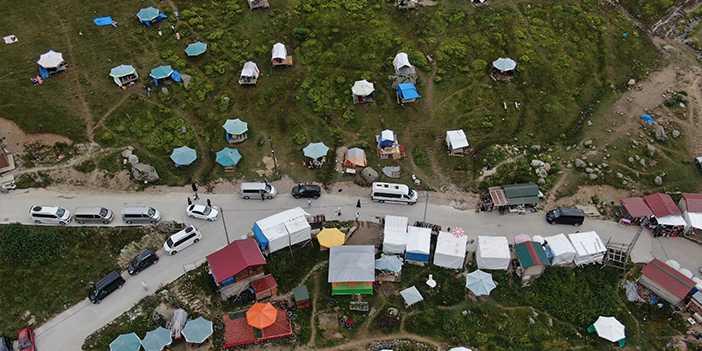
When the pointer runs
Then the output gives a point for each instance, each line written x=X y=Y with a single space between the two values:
x=355 y=157
x=228 y=157
x=283 y=229
x=418 y=244
x=279 y=51
x=150 y=15
x=407 y=92
x=493 y=252
x=387 y=139
x=250 y=70
x=183 y=156
x=401 y=63
x=561 y=249
x=450 y=251
x=395 y=234
x=351 y=269
x=588 y=247
x=411 y=295
x=456 y=140
x=161 y=72
x=362 y=88
x=123 y=74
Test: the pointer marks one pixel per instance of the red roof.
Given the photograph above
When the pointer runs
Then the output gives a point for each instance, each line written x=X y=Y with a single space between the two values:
x=668 y=277
x=234 y=258
x=263 y=284
x=636 y=206
x=694 y=202
x=662 y=205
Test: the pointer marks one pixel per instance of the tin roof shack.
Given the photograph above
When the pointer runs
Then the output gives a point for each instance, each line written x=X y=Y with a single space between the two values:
x=634 y=210
x=264 y=287
x=666 y=282
x=456 y=141
x=302 y=296
x=532 y=259
x=236 y=265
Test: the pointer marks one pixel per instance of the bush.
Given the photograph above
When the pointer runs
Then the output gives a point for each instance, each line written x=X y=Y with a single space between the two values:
x=301 y=34
x=85 y=166
x=420 y=156
x=299 y=139
x=29 y=244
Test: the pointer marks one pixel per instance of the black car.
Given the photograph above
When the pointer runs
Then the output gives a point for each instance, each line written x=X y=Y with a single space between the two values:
x=5 y=344
x=306 y=190
x=142 y=261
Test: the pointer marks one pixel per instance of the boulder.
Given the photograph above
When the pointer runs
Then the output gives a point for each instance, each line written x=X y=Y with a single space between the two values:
x=543 y=173
x=658 y=180
x=580 y=163
x=643 y=162
x=660 y=133
x=126 y=153
x=133 y=159
x=589 y=170
x=547 y=166
x=541 y=181
x=587 y=142
x=620 y=175
x=631 y=82
x=182 y=130
x=676 y=133
x=651 y=149
x=593 y=176
x=536 y=163
x=369 y=174
x=164 y=91
x=536 y=147
x=144 y=172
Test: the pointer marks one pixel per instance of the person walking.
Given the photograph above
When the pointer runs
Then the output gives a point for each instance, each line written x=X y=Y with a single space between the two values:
x=209 y=204
x=143 y=285
x=195 y=197
x=148 y=91
x=309 y=203
x=263 y=196
x=358 y=214
x=190 y=202
x=338 y=212
x=358 y=203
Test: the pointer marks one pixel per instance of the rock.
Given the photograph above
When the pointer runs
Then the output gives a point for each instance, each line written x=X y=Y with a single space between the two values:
x=660 y=133
x=631 y=82
x=605 y=164
x=583 y=157
x=658 y=180
x=593 y=176
x=631 y=160
x=162 y=314
x=619 y=175
x=670 y=48
x=535 y=314
x=536 y=163
x=637 y=157
x=541 y=181
x=643 y=162
x=547 y=166
x=133 y=159
x=182 y=130
x=532 y=321
x=579 y=163
x=126 y=153
x=570 y=165
x=536 y=147
x=676 y=133
x=589 y=122
x=587 y=142
x=568 y=148
x=550 y=322
x=651 y=149
x=164 y=91
x=144 y=172
x=543 y=173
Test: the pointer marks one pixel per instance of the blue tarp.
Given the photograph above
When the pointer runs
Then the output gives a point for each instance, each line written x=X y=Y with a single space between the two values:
x=417 y=257
x=260 y=237
x=407 y=91
x=648 y=119
x=43 y=72
x=103 y=21
x=175 y=76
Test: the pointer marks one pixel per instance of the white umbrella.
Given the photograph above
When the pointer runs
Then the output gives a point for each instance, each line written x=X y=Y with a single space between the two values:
x=673 y=264
x=362 y=88
x=460 y=348
x=504 y=64
x=51 y=59
x=609 y=328
x=480 y=283
x=539 y=239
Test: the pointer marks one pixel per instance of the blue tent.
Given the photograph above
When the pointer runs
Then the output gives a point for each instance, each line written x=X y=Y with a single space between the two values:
x=196 y=49
x=146 y=15
x=407 y=91
x=388 y=263
x=176 y=76
x=103 y=21
x=228 y=157
x=183 y=156
x=198 y=330
x=315 y=150
x=161 y=72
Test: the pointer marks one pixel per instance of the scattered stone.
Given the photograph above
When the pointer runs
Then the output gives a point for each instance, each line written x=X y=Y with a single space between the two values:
x=532 y=321
x=631 y=159
x=536 y=147
x=164 y=91
x=568 y=148
x=543 y=173
x=631 y=82
x=126 y=153
x=535 y=314
x=605 y=164
x=579 y=163
x=625 y=182
x=589 y=122
x=589 y=170
x=536 y=163
x=658 y=180
x=550 y=322
x=637 y=157
x=133 y=159
x=676 y=133
x=547 y=166
x=620 y=175
x=643 y=162
x=660 y=133
x=541 y=181
x=144 y=172
x=587 y=142
x=182 y=130
x=651 y=149
x=570 y=165
x=593 y=176
x=584 y=157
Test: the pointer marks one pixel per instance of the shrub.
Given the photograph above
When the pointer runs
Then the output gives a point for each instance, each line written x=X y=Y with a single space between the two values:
x=299 y=139
x=86 y=166
x=301 y=34
x=29 y=244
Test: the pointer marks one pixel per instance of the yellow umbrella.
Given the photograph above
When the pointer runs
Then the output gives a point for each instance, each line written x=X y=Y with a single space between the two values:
x=329 y=237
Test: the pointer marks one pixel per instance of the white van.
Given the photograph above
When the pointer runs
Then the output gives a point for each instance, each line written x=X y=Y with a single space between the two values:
x=140 y=214
x=390 y=192
x=93 y=214
x=254 y=191
x=50 y=214
x=181 y=240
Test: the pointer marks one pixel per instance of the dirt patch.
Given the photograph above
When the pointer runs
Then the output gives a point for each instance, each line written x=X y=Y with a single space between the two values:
x=328 y=322
x=366 y=234
x=270 y=167
x=14 y=138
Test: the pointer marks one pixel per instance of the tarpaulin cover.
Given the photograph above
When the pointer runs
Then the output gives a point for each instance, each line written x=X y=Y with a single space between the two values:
x=632 y=292
x=450 y=251
x=418 y=244
x=395 y=234
x=504 y=64
x=387 y=138
x=250 y=70
x=407 y=91
x=648 y=119
x=279 y=51
x=103 y=21
x=411 y=295
x=693 y=219
x=456 y=139
x=493 y=252
x=401 y=60
x=175 y=76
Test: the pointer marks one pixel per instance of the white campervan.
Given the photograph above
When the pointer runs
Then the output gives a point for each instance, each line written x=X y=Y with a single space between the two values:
x=390 y=192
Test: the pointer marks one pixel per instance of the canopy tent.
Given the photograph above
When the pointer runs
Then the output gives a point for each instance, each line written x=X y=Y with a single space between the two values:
x=351 y=269
x=362 y=88
x=407 y=92
x=355 y=157
x=539 y=239
x=161 y=72
x=609 y=328
x=126 y=342
x=183 y=156
x=395 y=234
x=450 y=251
x=315 y=150
x=279 y=51
x=693 y=220
x=504 y=64
x=261 y=315
x=390 y=263
x=147 y=14
x=329 y=237
x=401 y=63
x=456 y=140
x=588 y=247
x=460 y=348
x=228 y=157
x=418 y=244
x=197 y=330
x=51 y=59
x=196 y=48
x=521 y=238
x=387 y=139
x=411 y=295
x=493 y=252
x=686 y=272
x=283 y=229
x=480 y=283
x=672 y=220
x=250 y=70
x=673 y=264
x=562 y=250
x=123 y=74
x=235 y=126
x=157 y=339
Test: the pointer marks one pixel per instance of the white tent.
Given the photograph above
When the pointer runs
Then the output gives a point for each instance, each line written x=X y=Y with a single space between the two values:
x=411 y=295
x=401 y=60
x=493 y=252
x=351 y=263
x=250 y=70
x=418 y=244
x=283 y=229
x=450 y=251
x=456 y=140
x=561 y=249
x=395 y=234
x=588 y=247
x=279 y=51
x=693 y=220
x=672 y=220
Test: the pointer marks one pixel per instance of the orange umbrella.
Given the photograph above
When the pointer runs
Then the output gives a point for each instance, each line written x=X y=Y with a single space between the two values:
x=261 y=315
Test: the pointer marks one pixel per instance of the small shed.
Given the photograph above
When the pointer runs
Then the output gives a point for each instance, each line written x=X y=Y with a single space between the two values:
x=450 y=251
x=588 y=247
x=395 y=234
x=634 y=209
x=559 y=248
x=362 y=91
x=280 y=56
x=456 y=141
x=264 y=287
x=249 y=74
x=695 y=304
x=402 y=64
x=355 y=157
x=666 y=282
x=522 y=194
x=532 y=259
x=407 y=92
x=302 y=296
x=418 y=245
x=236 y=130
x=493 y=252
x=351 y=269
x=236 y=265
x=665 y=210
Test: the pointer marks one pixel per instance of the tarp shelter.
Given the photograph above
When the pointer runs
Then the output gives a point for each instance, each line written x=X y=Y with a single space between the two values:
x=315 y=150
x=103 y=21
x=635 y=208
x=389 y=263
x=183 y=156
x=395 y=234
x=249 y=74
x=480 y=283
x=532 y=258
x=666 y=282
x=355 y=157
x=234 y=258
x=664 y=209
x=562 y=250
x=387 y=139
x=228 y=157
x=411 y=295
x=157 y=339
x=197 y=330
x=407 y=92
x=351 y=269
x=504 y=64
x=279 y=55
x=647 y=118
x=50 y=63
x=493 y=252
x=418 y=244
x=126 y=342
x=196 y=48
x=402 y=64
x=456 y=140
x=329 y=237
x=283 y=229
x=609 y=328
x=588 y=247
x=124 y=74
x=522 y=194
x=150 y=15
x=261 y=315
x=450 y=251
x=161 y=72
x=236 y=130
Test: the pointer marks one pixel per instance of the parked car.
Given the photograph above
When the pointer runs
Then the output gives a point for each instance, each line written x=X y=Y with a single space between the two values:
x=182 y=239
x=6 y=344
x=105 y=286
x=306 y=190
x=142 y=261
x=26 y=340
x=202 y=212
x=50 y=215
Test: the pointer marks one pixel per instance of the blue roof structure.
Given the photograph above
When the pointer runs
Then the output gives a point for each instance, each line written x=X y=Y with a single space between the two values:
x=407 y=91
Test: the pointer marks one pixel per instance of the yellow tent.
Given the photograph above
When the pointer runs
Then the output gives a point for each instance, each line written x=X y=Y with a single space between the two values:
x=329 y=237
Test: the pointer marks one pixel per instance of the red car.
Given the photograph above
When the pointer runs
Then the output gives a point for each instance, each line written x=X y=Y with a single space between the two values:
x=26 y=340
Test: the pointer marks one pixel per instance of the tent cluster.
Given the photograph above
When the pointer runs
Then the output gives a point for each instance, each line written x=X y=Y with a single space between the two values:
x=663 y=215
x=196 y=331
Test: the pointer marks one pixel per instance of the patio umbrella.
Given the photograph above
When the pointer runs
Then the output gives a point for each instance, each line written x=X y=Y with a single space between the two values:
x=228 y=157
x=196 y=49
x=161 y=72
x=673 y=264
x=329 y=237
x=609 y=328
x=235 y=126
x=147 y=14
x=521 y=238
x=460 y=348
x=197 y=330
x=362 y=88
x=504 y=64
x=51 y=59
x=122 y=70
x=539 y=239
x=261 y=315
x=126 y=342
x=157 y=339
x=183 y=155
x=315 y=150
x=458 y=232
x=388 y=263
x=480 y=283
